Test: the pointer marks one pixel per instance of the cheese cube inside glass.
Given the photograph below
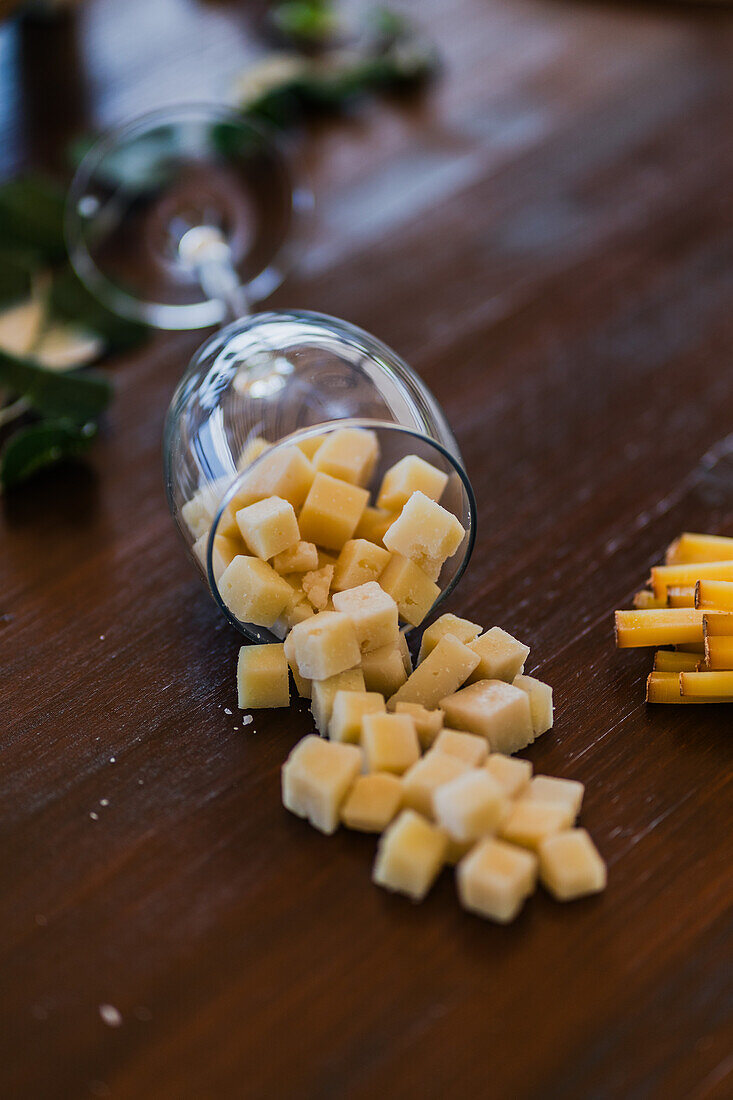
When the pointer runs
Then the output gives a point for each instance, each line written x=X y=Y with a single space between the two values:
x=349 y=708
x=501 y=657
x=494 y=709
x=372 y=802
x=424 y=778
x=269 y=526
x=301 y=558
x=262 y=677
x=410 y=855
x=495 y=878
x=411 y=589
x=359 y=561
x=316 y=778
x=466 y=746
x=324 y=692
x=571 y=866
x=350 y=454
x=285 y=473
x=373 y=524
x=373 y=613
x=253 y=591
x=471 y=806
x=425 y=533
x=389 y=742
x=317 y=585
x=331 y=511
x=462 y=629
x=411 y=474
x=324 y=645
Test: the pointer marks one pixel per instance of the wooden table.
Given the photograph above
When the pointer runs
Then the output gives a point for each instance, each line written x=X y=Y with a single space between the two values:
x=548 y=238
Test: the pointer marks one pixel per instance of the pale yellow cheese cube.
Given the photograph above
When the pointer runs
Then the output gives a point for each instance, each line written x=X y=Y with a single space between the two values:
x=410 y=588
x=350 y=454
x=428 y=723
x=223 y=552
x=317 y=586
x=462 y=629
x=409 y=475
x=494 y=709
x=252 y=449
x=373 y=524
x=301 y=558
x=563 y=792
x=426 y=533
x=410 y=855
x=441 y=673
x=268 y=527
x=457 y=849
x=372 y=802
x=310 y=445
x=331 y=511
x=467 y=746
x=303 y=686
x=324 y=559
x=405 y=651
x=198 y=512
x=349 y=708
x=316 y=778
x=324 y=645
x=359 y=561
x=262 y=677
x=540 y=702
x=373 y=613
x=501 y=657
x=495 y=878
x=512 y=774
x=471 y=806
x=384 y=669
x=296 y=612
x=571 y=866
x=528 y=823
x=389 y=742
x=253 y=591
x=324 y=692
x=285 y=472
x=422 y=780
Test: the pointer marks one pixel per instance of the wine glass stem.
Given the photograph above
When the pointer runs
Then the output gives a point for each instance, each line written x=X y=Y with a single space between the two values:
x=205 y=249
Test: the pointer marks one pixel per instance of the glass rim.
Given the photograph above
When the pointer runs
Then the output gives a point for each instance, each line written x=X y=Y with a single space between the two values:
x=194 y=315
x=321 y=429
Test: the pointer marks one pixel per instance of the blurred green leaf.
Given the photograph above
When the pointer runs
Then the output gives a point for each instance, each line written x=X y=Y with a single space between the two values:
x=16 y=275
x=73 y=396
x=39 y=445
x=309 y=22
x=32 y=218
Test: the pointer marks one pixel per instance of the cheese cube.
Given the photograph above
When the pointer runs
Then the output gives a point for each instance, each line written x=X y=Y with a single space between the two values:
x=466 y=746
x=441 y=673
x=373 y=524
x=470 y=806
x=570 y=865
x=563 y=792
x=223 y=553
x=373 y=613
x=428 y=723
x=498 y=711
x=409 y=475
x=285 y=473
x=310 y=445
x=255 y=447
x=528 y=823
x=405 y=652
x=331 y=511
x=389 y=742
x=422 y=780
x=198 y=512
x=410 y=855
x=317 y=585
x=323 y=694
x=426 y=533
x=262 y=677
x=457 y=849
x=268 y=527
x=462 y=629
x=350 y=454
x=540 y=702
x=512 y=774
x=349 y=707
x=296 y=612
x=316 y=778
x=372 y=802
x=303 y=687
x=253 y=591
x=410 y=588
x=384 y=669
x=301 y=558
x=359 y=561
x=501 y=657
x=495 y=878
x=324 y=645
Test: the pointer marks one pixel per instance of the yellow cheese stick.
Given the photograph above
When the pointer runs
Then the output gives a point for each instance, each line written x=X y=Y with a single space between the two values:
x=668 y=626
x=692 y=647
x=719 y=653
x=714 y=595
x=690 y=547
x=677 y=576
x=664 y=687
x=681 y=597
x=717 y=624
x=647 y=601
x=667 y=661
x=713 y=686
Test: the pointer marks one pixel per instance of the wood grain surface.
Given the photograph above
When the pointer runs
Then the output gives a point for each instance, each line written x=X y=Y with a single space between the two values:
x=547 y=237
